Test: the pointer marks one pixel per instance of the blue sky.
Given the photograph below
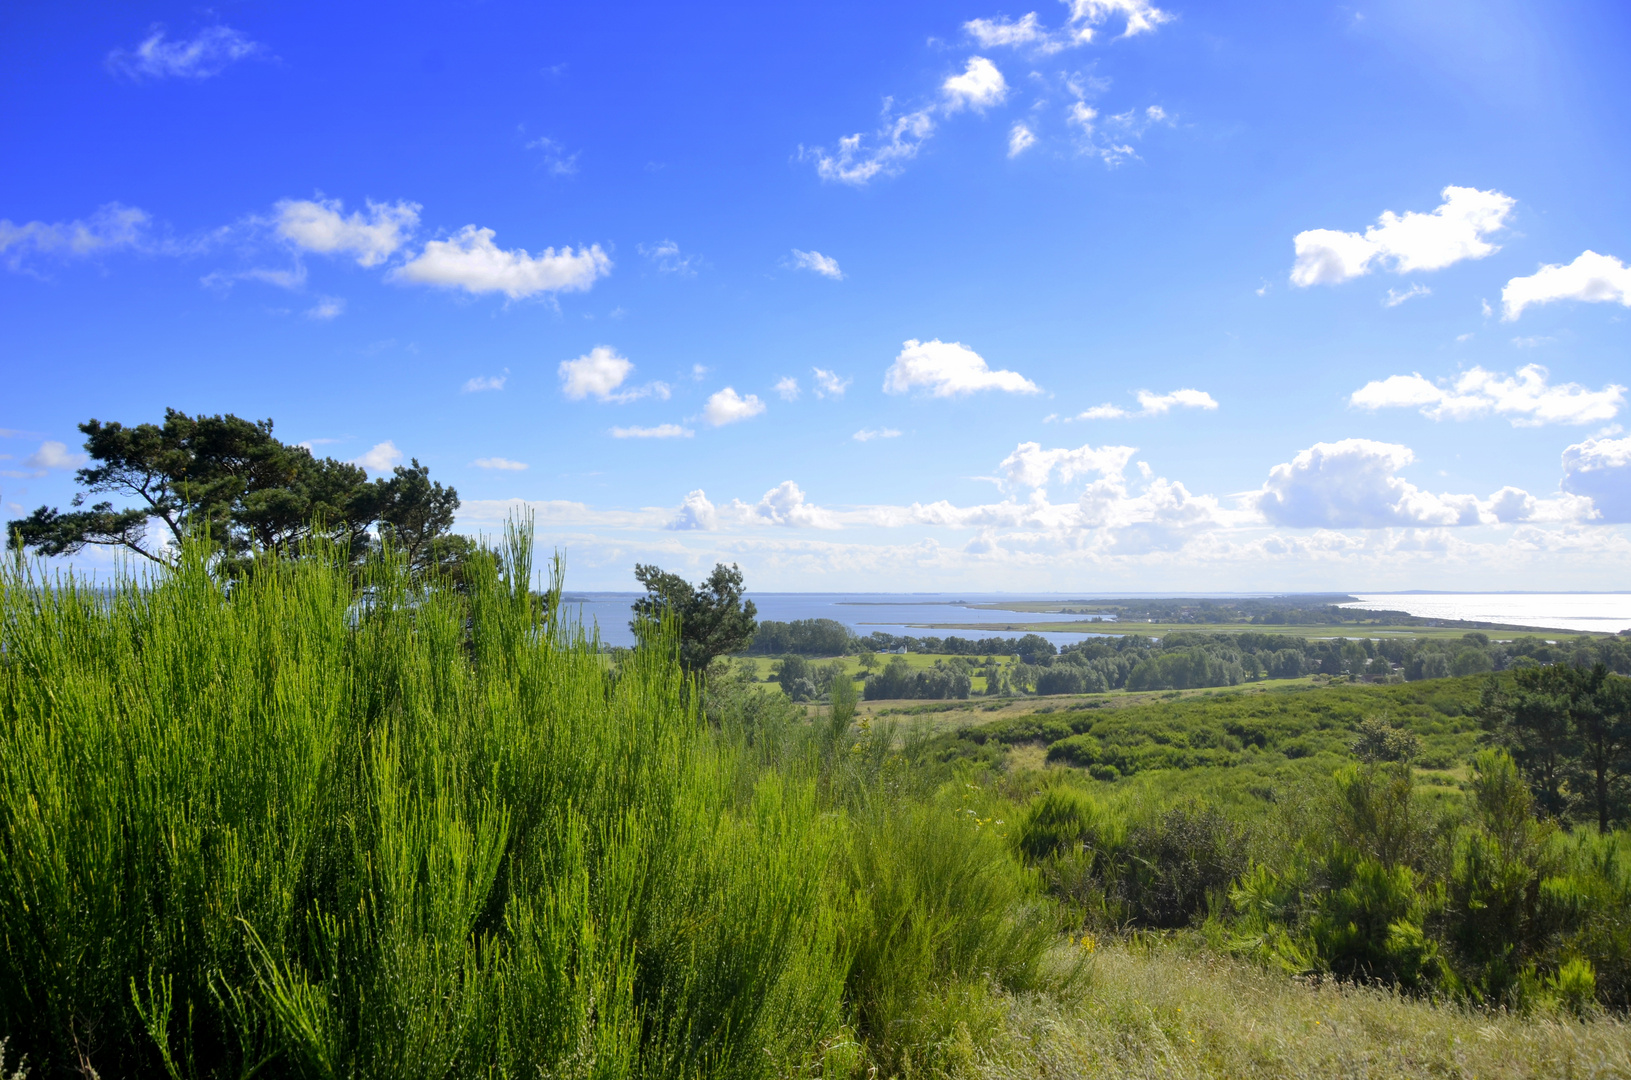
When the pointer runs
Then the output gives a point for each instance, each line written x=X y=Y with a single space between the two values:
x=1093 y=295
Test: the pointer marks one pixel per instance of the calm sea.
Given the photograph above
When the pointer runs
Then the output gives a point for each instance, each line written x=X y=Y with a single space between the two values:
x=896 y=613
x=1610 y=612
x=863 y=613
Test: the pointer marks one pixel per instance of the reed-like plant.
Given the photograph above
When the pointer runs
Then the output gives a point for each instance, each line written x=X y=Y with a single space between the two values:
x=283 y=827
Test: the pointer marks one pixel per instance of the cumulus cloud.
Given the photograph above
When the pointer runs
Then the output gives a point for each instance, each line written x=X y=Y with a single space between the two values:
x=661 y=431
x=1152 y=404
x=896 y=143
x=1458 y=229
x=695 y=512
x=381 y=459
x=1020 y=139
x=1527 y=398
x=502 y=464
x=999 y=32
x=479 y=383
x=868 y=434
x=828 y=383
x=326 y=308
x=1600 y=469
x=979 y=87
x=112 y=227
x=1031 y=466
x=666 y=257
x=1354 y=483
x=321 y=225
x=948 y=369
x=785 y=505
x=1592 y=278
x=727 y=407
x=599 y=373
x=472 y=262
x=817 y=263
x=207 y=53
x=787 y=388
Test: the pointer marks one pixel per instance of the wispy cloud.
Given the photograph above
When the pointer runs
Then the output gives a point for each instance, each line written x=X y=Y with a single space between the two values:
x=661 y=431
x=209 y=52
x=1395 y=297
x=817 y=263
x=556 y=161
x=1152 y=404
x=868 y=434
x=665 y=255
x=499 y=463
x=787 y=388
x=321 y=225
x=480 y=383
x=829 y=384
x=1527 y=399
x=326 y=308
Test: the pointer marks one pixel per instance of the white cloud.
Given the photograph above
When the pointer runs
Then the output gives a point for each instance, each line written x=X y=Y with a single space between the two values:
x=868 y=434
x=787 y=388
x=327 y=307
x=320 y=225
x=996 y=33
x=502 y=464
x=1394 y=297
x=293 y=279
x=979 y=87
x=53 y=455
x=661 y=431
x=666 y=256
x=1085 y=16
x=382 y=458
x=828 y=384
x=208 y=53
x=598 y=374
x=1353 y=483
x=727 y=407
x=1456 y=230
x=821 y=264
x=478 y=383
x=1152 y=404
x=1526 y=398
x=1020 y=139
x=695 y=512
x=1592 y=278
x=1031 y=466
x=947 y=369
x=785 y=505
x=1600 y=469
x=471 y=261
x=899 y=141
x=113 y=226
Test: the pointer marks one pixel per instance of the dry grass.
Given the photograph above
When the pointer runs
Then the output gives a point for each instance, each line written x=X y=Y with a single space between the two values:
x=1163 y=1012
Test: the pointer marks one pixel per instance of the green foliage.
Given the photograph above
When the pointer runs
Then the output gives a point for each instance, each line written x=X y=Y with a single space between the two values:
x=712 y=619
x=228 y=479
x=898 y=679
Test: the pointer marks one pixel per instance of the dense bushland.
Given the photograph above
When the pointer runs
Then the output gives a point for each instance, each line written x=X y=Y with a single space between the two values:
x=273 y=826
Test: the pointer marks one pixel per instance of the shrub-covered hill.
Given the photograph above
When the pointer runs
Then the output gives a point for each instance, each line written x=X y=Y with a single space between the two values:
x=1261 y=729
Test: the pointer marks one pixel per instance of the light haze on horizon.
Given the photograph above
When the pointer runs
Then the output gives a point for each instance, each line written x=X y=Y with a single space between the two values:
x=1087 y=297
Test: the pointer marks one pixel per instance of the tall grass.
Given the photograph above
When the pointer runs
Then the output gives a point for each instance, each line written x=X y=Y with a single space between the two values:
x=261 y=827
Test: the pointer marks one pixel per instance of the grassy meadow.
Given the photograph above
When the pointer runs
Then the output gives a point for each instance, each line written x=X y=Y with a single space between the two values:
x=315 y=822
